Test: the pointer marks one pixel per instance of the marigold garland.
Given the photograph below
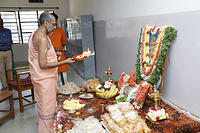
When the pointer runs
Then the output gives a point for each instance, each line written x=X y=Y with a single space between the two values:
x=164 y=41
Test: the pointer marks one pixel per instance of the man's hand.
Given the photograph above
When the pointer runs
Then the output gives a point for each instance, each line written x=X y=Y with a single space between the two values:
x=69 y=61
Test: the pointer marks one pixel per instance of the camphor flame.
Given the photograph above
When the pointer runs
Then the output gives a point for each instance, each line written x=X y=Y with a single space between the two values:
x=84 y=55
x=88 y=52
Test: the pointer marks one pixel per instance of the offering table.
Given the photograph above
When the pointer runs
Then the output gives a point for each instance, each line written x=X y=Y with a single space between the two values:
x=177 y=122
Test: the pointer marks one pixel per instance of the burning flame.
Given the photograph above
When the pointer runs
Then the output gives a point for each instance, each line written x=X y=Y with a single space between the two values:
x=88 y=52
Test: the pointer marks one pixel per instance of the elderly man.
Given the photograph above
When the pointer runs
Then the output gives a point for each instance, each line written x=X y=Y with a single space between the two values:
x=59 y=42
x=43 y=70
x=5 y=52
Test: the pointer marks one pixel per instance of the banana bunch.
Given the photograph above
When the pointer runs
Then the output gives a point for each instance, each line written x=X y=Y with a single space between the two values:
x=107 y=93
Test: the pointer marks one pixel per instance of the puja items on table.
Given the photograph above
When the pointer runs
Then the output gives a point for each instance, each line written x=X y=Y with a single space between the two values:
x=84 y=55
x=69 y=88
x=89 y=125
x=132 y=91
x=156 y=114
x=106 y=92
x=127 y=86
x=108 y=89
x=122 y=118
x=73 y=104
x=90 y=85
x=143 y=89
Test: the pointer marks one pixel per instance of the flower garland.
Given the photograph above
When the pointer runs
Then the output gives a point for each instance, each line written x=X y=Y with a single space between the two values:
x=143 y=89
x=127 y=80
x=148 y=60
x=58 y=121
x=149 y=64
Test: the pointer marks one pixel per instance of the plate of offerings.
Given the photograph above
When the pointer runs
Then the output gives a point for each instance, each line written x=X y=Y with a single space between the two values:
x=69 y=88
x=79 y=57
x=73 y=104
x=90 y=85
x=108 y=90
x=154 y=114
x=86 y=96
x=83 y=56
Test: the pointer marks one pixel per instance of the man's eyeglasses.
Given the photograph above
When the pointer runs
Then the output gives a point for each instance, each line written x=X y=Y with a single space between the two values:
x=54 y=24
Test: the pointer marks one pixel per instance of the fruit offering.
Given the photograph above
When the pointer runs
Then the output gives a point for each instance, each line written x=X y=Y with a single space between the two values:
x=105 y=93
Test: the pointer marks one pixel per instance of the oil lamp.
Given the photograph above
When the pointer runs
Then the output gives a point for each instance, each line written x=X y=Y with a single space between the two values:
x=108 y=73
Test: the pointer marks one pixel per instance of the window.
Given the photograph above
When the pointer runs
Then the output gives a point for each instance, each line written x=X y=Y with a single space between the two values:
x=21 y=24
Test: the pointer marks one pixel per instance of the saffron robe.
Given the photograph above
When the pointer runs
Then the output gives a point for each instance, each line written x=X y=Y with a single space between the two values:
x=45 y=87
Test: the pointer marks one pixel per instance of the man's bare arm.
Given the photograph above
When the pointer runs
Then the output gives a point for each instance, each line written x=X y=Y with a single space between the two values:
x=42 y=53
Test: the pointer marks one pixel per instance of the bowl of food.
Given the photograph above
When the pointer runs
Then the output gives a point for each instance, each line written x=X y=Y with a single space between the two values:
x=73 y=104
x=69 y=88
x=90 y=85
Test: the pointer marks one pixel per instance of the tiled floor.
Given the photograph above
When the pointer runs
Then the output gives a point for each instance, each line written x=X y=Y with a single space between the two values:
x=26 y=122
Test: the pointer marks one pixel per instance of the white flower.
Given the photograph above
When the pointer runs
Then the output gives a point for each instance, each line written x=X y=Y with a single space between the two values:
x=98 y=86
x=142 y=75
x=158 y=113
x=60 y=126
x=108 y=84
x=126 y=77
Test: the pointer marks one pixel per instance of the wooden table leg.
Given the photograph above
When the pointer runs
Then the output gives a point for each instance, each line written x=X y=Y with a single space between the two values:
x=11 y=107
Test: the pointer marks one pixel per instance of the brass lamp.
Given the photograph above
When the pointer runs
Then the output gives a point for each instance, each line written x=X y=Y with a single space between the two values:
x=108 y=73
x=155 y=97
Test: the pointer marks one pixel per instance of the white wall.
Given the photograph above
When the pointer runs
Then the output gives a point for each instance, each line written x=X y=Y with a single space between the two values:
x=115 y=9
x=62 y=12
